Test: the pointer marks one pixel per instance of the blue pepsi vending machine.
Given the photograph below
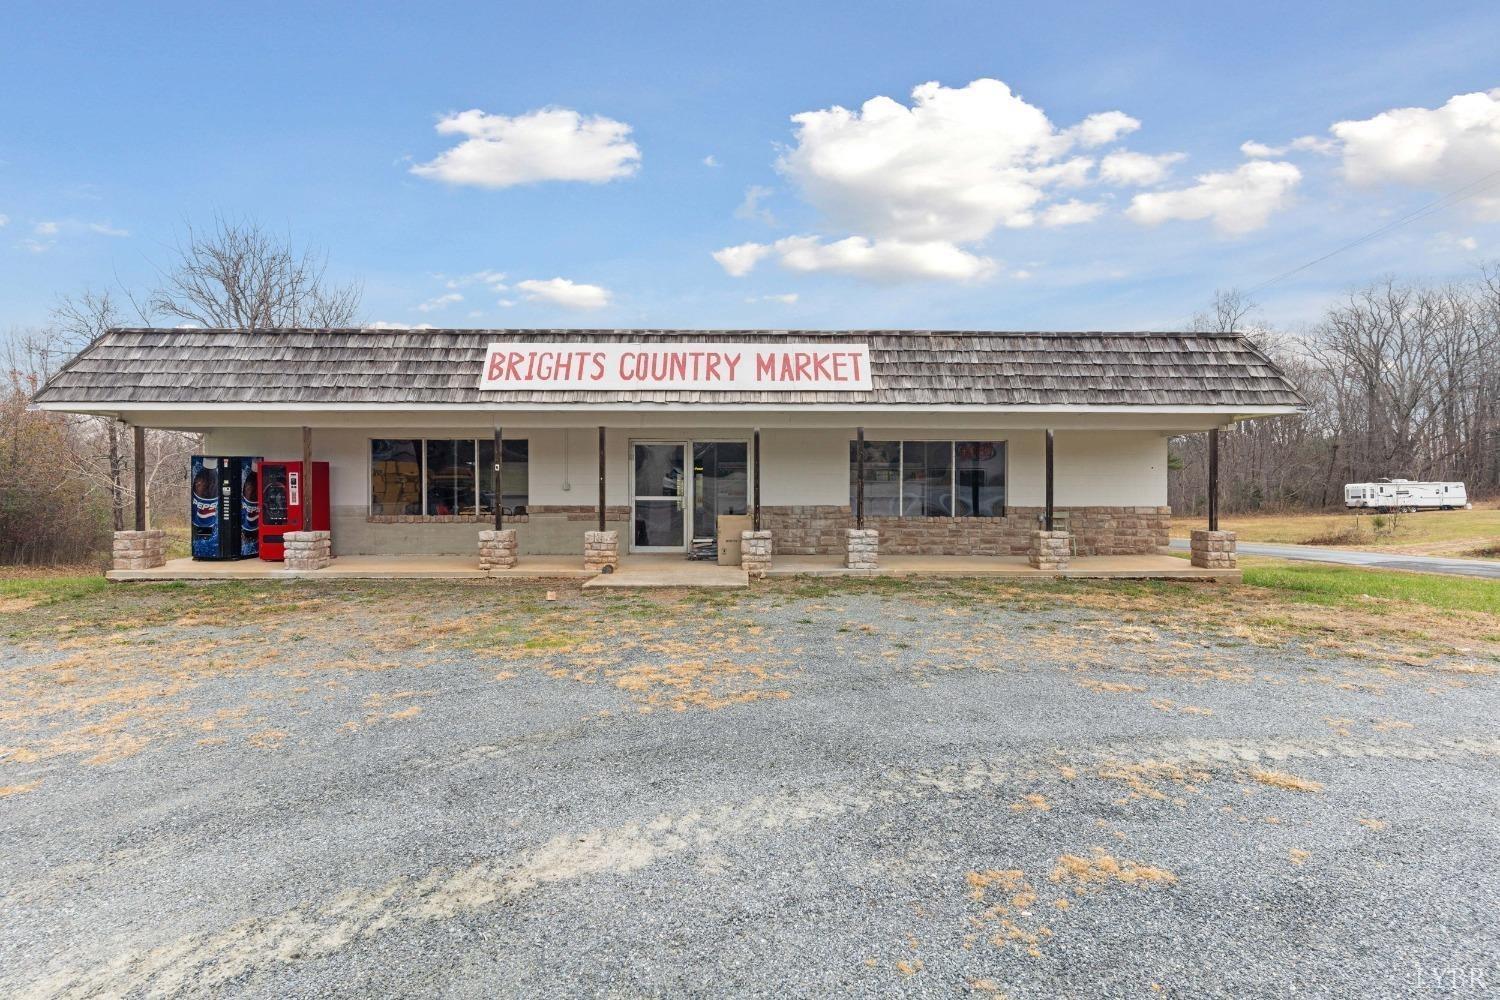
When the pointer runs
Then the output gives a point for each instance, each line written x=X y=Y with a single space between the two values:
x=226 y=507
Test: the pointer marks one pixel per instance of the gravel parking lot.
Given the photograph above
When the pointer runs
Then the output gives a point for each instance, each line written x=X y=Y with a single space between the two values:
x=884 y=788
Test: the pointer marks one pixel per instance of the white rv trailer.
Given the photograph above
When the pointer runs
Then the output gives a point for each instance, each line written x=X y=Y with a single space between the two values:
x=1403 y=494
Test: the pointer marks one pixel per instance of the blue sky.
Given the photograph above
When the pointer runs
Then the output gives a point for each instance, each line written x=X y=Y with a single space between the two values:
x=973 y=205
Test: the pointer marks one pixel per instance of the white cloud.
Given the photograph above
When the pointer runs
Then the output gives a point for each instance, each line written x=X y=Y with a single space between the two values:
x=1307 y=143
x=45 y=229
x=1071 y=213
x=1449 y=243
x=954 y=166
x=1435 y=148
x=105 y=229
x=1126 y=168
x=873 y=260
x=493 y=280
x=565 y=293
x=738 y=261
x=1237 y=201
x=1021 y=275
x=750 y=207
x=4 y=220
x=1103 y=128
x=387 y=325
x=711 y=161
x=552 y=144
x=786 y=299
x=440 y=302
x=38 y=246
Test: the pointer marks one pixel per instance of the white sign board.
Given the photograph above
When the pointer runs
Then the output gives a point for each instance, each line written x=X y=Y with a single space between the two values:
x=724 y=366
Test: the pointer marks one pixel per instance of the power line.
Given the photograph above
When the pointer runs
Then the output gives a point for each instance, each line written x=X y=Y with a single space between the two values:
x=1464 y=193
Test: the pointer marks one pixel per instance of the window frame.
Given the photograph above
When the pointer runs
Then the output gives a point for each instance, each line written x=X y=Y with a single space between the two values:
x=478 y=515
x=952 y=474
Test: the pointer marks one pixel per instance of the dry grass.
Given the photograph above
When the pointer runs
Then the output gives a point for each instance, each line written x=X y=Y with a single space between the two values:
x=1284 y=781
x=1101 y=868
x=1453 y=532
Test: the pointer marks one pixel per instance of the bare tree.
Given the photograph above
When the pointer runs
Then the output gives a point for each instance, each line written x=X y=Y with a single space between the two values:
x=81 y=320
x=1401 y=380
x=1230 y=310
x=240 y=276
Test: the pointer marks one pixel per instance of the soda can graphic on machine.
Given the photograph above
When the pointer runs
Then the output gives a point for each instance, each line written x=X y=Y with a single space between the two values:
x=225 y=507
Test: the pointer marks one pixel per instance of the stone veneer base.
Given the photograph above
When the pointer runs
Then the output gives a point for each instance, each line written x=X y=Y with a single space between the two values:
x=307 y=550
x=139 y=549
x=1097 y=531
x=755 y=553
x=601 y=551
x=1050 y=550
x=1214 y=550
x=497 y=549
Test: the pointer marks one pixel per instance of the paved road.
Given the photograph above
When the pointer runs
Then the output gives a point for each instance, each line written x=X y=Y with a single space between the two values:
x=474 y=792
x=1373 y=560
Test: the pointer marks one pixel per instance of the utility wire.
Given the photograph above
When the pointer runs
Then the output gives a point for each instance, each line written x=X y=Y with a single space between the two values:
x=1464 y=193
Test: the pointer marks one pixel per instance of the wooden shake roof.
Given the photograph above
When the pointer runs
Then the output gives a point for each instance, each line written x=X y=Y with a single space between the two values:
x=401 y=368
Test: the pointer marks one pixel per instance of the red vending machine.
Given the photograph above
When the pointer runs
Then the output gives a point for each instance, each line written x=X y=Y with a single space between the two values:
x=283 y=494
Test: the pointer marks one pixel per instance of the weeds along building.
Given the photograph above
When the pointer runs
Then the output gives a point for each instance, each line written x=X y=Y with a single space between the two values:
x=947 y=443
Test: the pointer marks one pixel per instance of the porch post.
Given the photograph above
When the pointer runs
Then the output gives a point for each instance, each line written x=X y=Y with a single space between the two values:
x=1213 y=480
x=755 y=459
x=1047 y=524
x=601 y=478
x=500 y=508
x=859 y=478
x=307 y=480
x=140 y=477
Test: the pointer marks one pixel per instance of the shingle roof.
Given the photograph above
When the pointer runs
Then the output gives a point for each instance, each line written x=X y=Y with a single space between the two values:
x=441 y=367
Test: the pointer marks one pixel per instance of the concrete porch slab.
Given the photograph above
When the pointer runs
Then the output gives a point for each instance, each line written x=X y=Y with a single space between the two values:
x=669 y=571
x=1141 y=567
x=360 y=568
x=675 y=571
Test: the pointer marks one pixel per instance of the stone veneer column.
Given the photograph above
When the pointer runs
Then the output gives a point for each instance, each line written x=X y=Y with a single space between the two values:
x=601 y=551
x=497 y=549
x=755 y=553
x=862 y=548
x=1214 y=550
x=139 y=549
x=1050 y=550
x=308 y=550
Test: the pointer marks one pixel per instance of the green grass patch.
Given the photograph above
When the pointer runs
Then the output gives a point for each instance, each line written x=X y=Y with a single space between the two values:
x=51 y=589
x=1341 y=585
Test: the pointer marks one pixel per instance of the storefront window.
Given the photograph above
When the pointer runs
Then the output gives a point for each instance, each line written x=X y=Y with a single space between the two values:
x=444 y=476
x=927 y=478
x=515 y=475
x=979 y=471
x=882 y=477
x=450 y=477
x=931 y=478
x=395 y=477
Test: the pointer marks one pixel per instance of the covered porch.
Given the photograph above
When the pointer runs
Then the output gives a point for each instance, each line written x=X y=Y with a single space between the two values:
x=656 y=570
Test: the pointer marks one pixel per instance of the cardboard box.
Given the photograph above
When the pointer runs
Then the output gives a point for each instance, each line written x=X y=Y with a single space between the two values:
x=729 y=528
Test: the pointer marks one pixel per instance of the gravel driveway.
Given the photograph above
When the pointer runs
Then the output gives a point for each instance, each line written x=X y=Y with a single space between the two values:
x=882 y=789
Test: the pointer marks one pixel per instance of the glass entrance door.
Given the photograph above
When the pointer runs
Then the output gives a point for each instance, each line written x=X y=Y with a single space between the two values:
x=659 y=499
x=721 y=474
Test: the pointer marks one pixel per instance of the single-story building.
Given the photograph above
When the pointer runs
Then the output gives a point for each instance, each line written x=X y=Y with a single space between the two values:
x=943 y=442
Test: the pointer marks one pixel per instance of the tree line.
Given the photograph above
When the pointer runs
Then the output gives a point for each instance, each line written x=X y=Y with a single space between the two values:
x=67 y=481
x=1402 y=380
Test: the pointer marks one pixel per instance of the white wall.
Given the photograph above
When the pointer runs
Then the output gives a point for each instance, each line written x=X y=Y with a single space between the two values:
x=1093 y=468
